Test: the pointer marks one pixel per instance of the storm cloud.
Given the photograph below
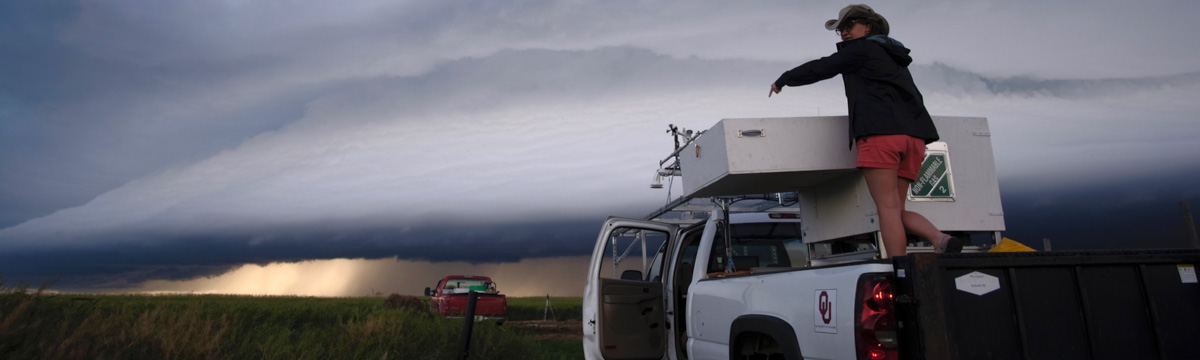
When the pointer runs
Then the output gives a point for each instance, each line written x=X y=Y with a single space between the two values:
x=173 y=140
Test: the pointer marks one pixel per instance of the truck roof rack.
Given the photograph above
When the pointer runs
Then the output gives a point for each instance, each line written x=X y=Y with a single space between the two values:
x=687 y=210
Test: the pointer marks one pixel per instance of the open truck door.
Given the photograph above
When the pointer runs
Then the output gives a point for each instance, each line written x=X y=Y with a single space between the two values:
x=623 y=304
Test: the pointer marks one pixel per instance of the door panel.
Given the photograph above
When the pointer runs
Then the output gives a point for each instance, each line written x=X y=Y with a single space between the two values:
x=624 y=318
x=632 y=316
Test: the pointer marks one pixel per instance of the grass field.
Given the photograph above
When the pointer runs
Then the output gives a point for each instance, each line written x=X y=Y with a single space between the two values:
x=35 y=325
x=533 y=308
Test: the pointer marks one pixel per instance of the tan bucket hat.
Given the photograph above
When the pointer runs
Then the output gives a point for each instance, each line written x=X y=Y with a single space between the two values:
x=858 y=11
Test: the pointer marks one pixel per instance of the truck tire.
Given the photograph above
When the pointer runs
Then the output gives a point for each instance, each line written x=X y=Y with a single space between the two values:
x=756 y=346
x=762 y=337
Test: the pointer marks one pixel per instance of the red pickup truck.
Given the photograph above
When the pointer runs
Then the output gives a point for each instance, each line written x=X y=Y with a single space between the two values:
x=449 y=297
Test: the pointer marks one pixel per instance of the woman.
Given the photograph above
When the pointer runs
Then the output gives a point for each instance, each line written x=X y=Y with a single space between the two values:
x=888 y=120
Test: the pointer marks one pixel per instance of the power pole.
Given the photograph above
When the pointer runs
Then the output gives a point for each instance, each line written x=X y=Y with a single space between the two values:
x=1191 y=224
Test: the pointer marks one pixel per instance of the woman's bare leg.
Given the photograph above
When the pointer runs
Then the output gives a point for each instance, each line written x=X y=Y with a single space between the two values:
x=913 y=222
x=889 y=193
x=883 y=185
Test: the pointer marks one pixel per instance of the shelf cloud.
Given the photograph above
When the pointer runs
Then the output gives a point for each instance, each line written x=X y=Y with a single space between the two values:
x=143 y=142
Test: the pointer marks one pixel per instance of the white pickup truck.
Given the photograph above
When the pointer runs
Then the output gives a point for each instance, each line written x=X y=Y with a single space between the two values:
x=800 y=274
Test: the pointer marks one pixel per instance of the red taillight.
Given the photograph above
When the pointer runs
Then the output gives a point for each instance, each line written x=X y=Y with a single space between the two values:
x=881 y=297
x=783 y=216
x=875 y=325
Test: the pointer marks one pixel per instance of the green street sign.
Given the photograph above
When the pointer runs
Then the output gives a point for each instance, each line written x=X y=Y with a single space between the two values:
x=934 y=179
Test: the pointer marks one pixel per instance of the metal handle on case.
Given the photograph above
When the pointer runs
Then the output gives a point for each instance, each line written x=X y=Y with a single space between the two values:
x=751 y=133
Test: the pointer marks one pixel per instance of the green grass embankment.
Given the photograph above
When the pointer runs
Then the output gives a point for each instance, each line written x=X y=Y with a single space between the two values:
x=34 y=325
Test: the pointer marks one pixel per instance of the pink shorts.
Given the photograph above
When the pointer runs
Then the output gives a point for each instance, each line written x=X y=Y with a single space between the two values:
x=900 y=152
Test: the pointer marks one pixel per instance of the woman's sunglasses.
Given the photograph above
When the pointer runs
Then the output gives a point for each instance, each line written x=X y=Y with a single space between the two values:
x=849 y=23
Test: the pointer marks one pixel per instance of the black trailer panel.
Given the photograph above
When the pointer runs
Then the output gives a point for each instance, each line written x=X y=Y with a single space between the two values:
x=1056 y=305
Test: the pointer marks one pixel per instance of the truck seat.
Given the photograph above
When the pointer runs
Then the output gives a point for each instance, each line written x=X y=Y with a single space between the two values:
x=684 y=278
x=745 y=262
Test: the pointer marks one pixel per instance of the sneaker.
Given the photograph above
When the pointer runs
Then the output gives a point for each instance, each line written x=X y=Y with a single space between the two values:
x=950 y=245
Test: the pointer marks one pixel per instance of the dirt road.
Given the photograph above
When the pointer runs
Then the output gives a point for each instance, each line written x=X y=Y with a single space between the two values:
x=559 y=330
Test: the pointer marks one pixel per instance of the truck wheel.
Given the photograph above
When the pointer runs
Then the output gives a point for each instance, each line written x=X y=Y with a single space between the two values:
x=757 y=346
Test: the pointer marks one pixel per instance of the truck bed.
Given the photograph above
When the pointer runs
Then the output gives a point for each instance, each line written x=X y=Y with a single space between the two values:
x=1056 y=305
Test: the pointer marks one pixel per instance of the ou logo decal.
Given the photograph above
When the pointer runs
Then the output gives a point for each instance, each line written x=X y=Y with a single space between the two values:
x=825 y=307
x=825 y=311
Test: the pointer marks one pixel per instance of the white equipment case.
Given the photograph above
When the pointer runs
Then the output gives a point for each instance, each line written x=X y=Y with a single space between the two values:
x=956 y=189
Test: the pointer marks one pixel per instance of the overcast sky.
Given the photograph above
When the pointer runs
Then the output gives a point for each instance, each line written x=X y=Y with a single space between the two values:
x=151 y=140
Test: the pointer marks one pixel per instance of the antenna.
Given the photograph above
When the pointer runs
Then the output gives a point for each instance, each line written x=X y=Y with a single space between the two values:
x=673 y=169
x=674 y=131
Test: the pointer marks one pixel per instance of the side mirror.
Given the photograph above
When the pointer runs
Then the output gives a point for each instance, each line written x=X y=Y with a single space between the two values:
x=428 y=292
x=631 y=275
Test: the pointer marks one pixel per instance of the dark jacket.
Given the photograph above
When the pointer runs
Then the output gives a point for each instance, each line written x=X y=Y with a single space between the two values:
x=882 y=97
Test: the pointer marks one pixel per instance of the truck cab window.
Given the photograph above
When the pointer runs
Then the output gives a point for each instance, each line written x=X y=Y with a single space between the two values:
x=761 y=247
x=657 y=264
x=628 y=254
x=859 y=247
